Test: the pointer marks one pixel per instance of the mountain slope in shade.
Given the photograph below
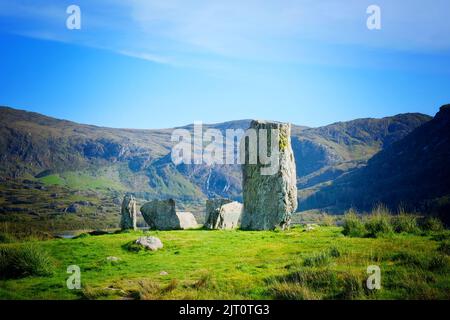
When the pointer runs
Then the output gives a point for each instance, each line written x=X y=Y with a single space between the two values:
x=414 y=171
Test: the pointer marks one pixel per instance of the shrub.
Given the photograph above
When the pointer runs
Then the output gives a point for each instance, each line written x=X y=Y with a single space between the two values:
x=27 y=260
x=379 y=222
x=433 y=224
x=405 y=223
x=353 y=225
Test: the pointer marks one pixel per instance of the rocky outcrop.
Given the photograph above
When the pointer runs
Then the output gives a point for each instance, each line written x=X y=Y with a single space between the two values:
x=150 y=243
x=128 y=219
x=269 y=199
x=161 y=215
x=223 y=214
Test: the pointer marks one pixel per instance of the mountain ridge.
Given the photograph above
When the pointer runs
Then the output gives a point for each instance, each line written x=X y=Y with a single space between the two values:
x=53 y=151
x=411 y=172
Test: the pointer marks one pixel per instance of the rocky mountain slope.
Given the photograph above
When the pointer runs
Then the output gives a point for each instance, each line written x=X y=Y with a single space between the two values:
x=413 y=172
x=78 y=157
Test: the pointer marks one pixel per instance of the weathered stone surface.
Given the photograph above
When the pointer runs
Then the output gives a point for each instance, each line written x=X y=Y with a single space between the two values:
x=270 y=200
x=128 y=219
x=187 y=220
x=151 y=243
x=161 y=215
x=223 y=214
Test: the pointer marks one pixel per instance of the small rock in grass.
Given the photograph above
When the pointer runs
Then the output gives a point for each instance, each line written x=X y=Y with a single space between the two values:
x=151 y=243
x=163 y=273
x=112 y=258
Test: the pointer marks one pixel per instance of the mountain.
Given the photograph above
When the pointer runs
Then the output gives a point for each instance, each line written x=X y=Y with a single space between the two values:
x=42 y=152
x=413 y=172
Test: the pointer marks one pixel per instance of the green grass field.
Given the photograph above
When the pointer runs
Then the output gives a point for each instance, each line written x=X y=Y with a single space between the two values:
x=200 y=264
x=82 y=180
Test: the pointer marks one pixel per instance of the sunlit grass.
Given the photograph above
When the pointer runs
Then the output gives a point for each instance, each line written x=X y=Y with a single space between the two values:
x=203 y=264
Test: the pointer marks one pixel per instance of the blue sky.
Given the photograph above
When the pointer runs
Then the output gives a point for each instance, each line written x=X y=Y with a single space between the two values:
x=165 y=63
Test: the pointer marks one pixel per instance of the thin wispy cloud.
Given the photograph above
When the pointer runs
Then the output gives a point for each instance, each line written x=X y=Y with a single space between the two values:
x=184 y=32
x=145 y=56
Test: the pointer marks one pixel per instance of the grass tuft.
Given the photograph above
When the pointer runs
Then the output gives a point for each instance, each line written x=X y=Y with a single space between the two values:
x=407 y=223
x=352 y=287
x=317 y=260
x=379 y=222
x=328 y=220
x=291 y=291
x=205 y=281
x=23 y=261
x=334 y=252
x=353 y=225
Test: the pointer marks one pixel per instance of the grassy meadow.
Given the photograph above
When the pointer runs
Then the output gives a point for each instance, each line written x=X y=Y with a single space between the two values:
x=305 y=262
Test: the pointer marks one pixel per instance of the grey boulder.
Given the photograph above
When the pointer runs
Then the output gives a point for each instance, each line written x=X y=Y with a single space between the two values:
x=150 y=243
x=223 y=214
x=161 y=215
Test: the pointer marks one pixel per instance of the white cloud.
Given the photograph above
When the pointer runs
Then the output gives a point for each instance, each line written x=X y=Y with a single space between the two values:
x=185 y=32
x=234 y=27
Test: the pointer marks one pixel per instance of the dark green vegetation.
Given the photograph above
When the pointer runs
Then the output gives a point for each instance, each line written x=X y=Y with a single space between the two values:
x=381 y=222
x=59 y=175
x=413 y=171
x=25 y=260
x=200 y=264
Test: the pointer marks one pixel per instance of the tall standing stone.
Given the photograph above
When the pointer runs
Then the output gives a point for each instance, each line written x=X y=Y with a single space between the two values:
x=269 y=199
x=128 y=219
